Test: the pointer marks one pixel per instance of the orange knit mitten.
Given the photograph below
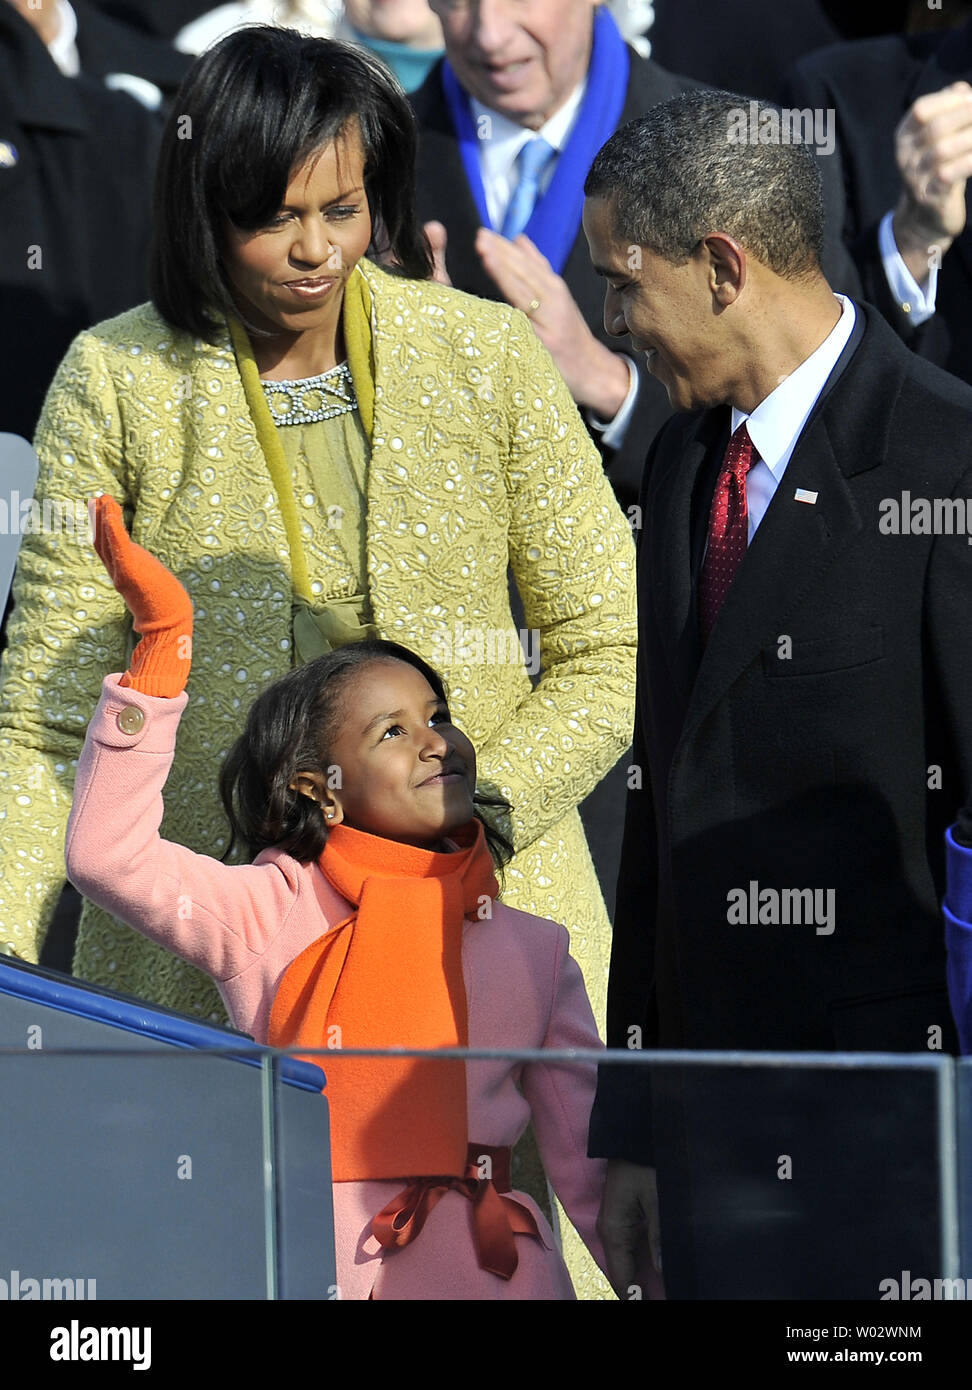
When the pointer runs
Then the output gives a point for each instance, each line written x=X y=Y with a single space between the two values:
x=160 y=607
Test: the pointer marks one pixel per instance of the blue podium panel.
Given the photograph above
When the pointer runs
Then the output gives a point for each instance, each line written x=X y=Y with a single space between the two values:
x=144 y=1174
x=305 y=1216
x=136 y=1160
x=804 y=1182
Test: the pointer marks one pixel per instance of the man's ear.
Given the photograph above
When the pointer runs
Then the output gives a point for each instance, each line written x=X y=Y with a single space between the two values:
x=726 y=266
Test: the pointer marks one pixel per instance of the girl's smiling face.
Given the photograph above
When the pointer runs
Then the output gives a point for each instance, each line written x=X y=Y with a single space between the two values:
x=406 y=772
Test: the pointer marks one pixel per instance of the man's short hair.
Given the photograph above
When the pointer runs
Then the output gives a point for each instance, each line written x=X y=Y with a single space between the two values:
x=689 y=167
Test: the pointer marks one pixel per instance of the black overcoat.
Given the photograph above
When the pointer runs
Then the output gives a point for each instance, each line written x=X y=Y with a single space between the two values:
x=822 y=740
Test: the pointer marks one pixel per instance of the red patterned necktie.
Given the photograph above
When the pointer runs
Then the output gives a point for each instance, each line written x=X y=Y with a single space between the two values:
x=728 y=528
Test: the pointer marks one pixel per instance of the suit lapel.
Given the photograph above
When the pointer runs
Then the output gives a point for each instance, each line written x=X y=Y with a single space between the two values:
x=796 y=541
x=794 y=546
x=673 y=507
x=38 y=95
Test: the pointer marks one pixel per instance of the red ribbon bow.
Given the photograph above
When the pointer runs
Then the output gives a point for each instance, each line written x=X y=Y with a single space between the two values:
x=496 y=1218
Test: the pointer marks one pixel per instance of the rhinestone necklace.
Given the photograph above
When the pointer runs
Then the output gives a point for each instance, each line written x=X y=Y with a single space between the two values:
x=312 y=398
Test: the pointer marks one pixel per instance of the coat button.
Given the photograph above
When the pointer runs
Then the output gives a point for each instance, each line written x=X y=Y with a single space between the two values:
x=130 y=719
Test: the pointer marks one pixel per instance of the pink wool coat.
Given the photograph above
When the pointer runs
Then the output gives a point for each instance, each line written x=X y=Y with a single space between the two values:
x=244 y=925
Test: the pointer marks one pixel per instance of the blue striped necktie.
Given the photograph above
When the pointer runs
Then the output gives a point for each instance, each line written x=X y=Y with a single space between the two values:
x=532 y=160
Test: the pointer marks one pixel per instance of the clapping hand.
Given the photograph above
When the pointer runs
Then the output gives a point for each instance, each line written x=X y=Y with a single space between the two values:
x=596 y=377
x=933 y=148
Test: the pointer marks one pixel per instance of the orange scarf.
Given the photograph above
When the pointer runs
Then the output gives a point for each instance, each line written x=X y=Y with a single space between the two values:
x=390 y=975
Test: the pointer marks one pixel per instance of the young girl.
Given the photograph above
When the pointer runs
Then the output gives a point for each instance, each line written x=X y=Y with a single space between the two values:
x=369 y=919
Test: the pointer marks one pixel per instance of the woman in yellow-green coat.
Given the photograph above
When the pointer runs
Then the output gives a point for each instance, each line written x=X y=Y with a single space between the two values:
x=321 y=449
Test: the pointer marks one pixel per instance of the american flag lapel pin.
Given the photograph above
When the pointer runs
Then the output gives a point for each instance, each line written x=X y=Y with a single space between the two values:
x=802 y=494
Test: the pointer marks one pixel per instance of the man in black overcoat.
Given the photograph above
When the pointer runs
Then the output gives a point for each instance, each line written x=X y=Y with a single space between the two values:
x=902 y=115
x=804 y=723
x=76 y=167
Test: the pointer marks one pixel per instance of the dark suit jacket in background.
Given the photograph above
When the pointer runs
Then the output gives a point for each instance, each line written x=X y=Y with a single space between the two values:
x=804 y=772
x=106 y=46
x=162 y=17
x=871 y=85
x=745 y=46
x=444 y=196
x=79 y=189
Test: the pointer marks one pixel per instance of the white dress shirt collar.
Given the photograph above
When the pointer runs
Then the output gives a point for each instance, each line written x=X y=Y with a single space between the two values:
x=501 y=141
x=777 y=422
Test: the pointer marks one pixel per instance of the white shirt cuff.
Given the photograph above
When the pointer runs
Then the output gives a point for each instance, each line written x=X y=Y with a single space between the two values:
x=917 y=303
x=612 y=432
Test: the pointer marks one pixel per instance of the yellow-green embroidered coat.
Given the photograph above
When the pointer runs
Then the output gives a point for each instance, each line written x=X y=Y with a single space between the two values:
x=479 y=458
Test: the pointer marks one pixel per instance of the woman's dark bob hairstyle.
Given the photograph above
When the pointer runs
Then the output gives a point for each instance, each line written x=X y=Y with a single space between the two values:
x=289 y=729
x=250 y=111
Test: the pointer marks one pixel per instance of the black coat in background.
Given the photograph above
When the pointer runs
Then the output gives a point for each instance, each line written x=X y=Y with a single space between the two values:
x=870 y=86
x=444 y=196
x=745 y=46
x=804 y=763
x=106 y=46
x=78 y=188
x=162 y=17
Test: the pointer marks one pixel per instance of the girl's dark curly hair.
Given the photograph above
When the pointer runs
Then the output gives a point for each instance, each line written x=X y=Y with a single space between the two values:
x=289 y=729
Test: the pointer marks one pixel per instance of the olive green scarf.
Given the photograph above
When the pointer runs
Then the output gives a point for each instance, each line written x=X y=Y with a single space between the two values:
x=318 y=627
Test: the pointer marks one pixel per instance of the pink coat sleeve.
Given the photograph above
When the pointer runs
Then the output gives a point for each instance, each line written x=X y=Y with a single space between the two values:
x=561 y=1095
x=216 y=916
